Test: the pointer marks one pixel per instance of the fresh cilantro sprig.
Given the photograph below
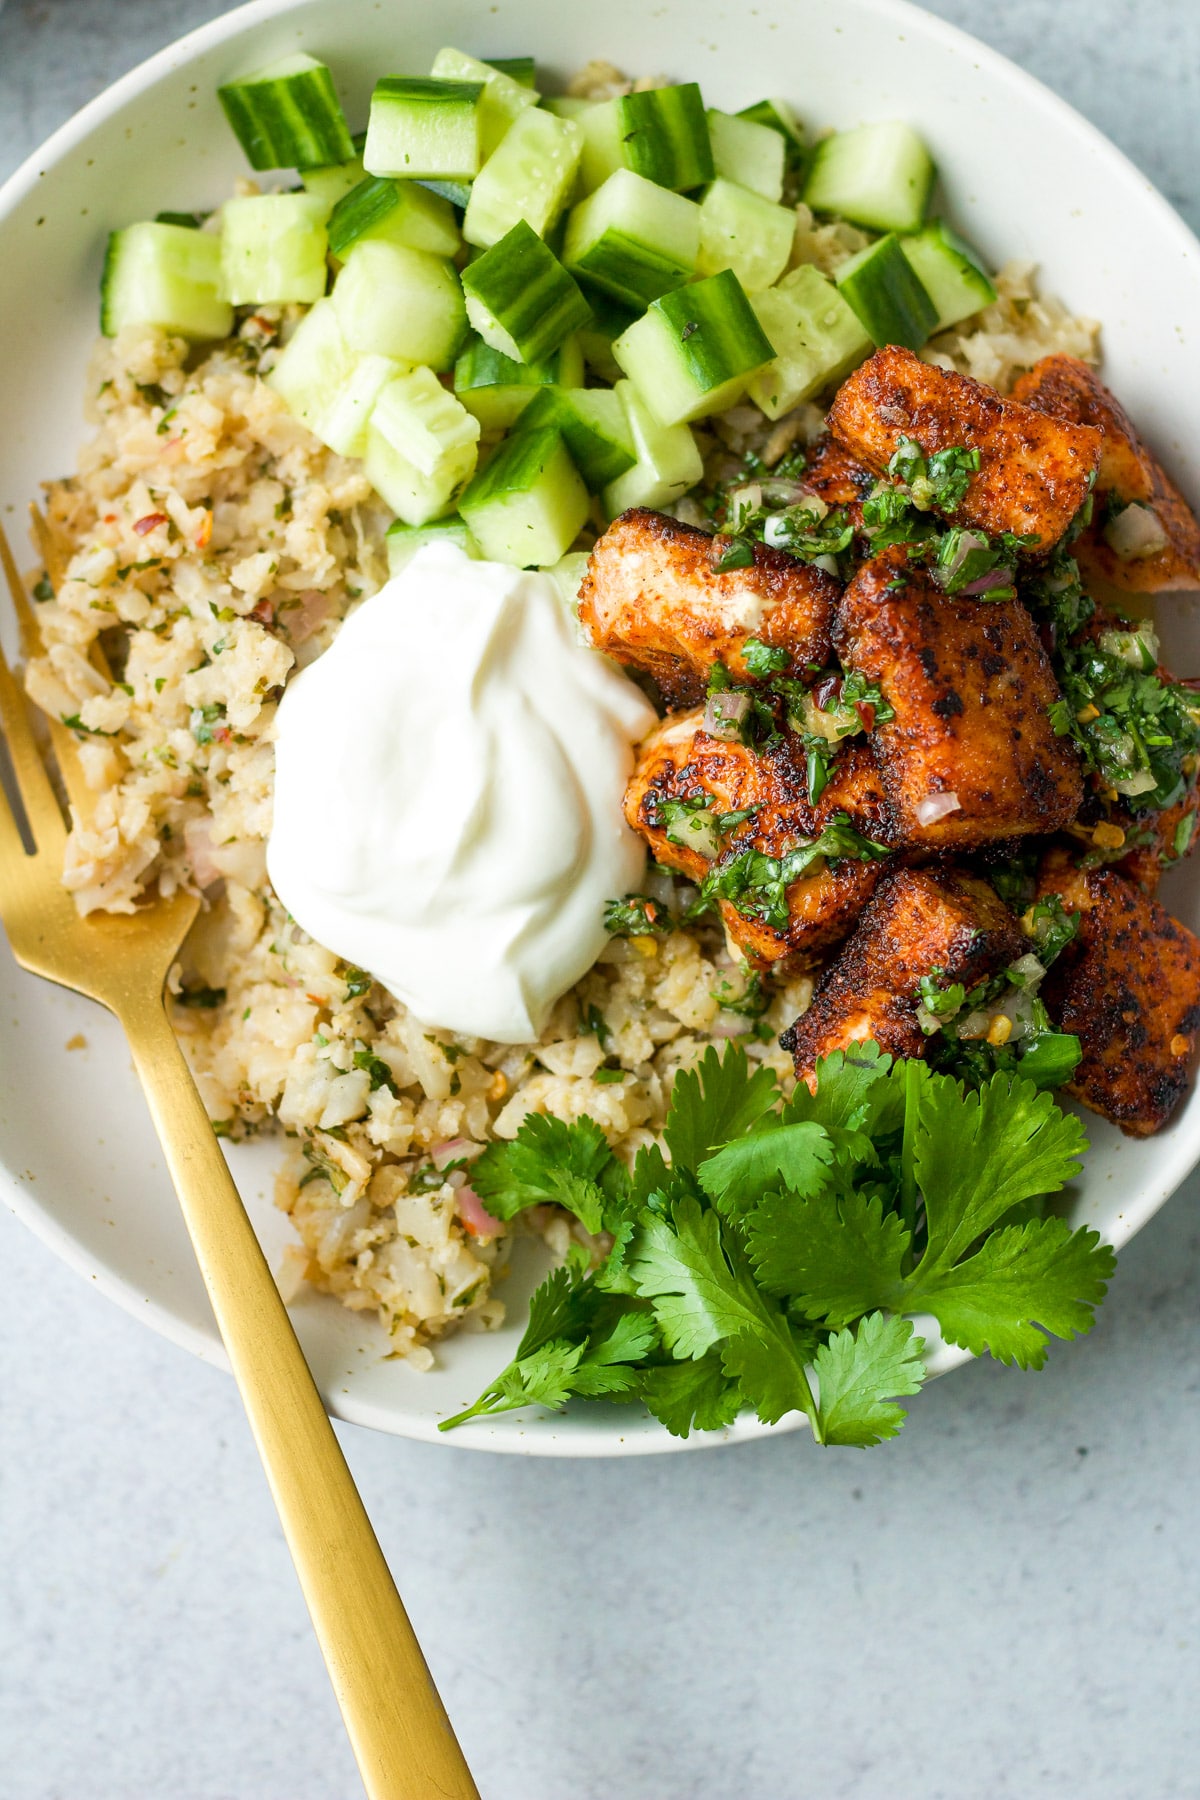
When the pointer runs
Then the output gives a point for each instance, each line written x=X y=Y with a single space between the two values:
x=769 y=1256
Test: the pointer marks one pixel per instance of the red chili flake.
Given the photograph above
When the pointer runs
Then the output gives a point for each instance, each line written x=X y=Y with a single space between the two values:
x=866 y=714
x=150 y=522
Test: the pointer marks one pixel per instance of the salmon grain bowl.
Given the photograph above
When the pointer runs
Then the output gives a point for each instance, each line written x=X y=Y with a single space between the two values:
x=645 y=645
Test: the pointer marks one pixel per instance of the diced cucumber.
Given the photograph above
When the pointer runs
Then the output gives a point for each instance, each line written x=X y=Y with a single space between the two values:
x=633 y=239
x=529 y=177
x=503 y=98
x=693 y=351
x=746 y=152
x=398 y=212
x=594 y=428
x=287 y=116
x=668 y=459
x=664 y=136
x=403 y=541
x=567 y=575
x=882 y=287
x=601 y=332
x=876 y=175
x=520 y=69
x=333 y=182
x=328 y=385
x=273 y=249
x=950 y=272
x=166 y=275
x=520 y=299
x=421 y=446
x=603 y=151
x=777 y=115
x=527 y=504
x=739 y=230
x=424 y=129
x=456 y=192
x=401 y=303
x=567 y=106
x=817 y=335
x=497 y=389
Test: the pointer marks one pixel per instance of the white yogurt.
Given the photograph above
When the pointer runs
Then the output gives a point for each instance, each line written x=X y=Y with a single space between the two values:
x=448 y=788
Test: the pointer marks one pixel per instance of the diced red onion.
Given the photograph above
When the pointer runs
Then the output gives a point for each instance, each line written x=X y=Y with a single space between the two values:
x=825 y=690
x=936 y=806
x=474 y=1214
x=970 y=540
x=724 y=713
x=1135 y=532
x=451 y=1150
x=1133 y=785
x=993 y=579
x=197 y=838
x=778 y=492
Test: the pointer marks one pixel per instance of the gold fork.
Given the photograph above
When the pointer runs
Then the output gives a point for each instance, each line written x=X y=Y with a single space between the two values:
x=402 y=1739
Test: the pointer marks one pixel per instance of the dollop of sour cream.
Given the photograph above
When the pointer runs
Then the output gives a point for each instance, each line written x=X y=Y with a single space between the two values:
x=448 y=788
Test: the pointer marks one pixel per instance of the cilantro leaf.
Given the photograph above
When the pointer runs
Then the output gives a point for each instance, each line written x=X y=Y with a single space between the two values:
x=548 y=1161
x=715 y=1102
x=979 y=1154
x=704 y=1295
x=859 y=1372
x=695 y=1395
x=1041 y=1271
x=839 y=1255
x=797 y=1155
x=852 y=1098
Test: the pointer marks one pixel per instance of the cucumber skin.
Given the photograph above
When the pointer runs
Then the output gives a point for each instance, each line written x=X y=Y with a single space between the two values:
x=882 y=286
x=527 y=504
x=508 y=280
x=623 y=259
x=664 y=136
x=365 y=210
x=600 y=447
x=693 y=351
x=950 y=272
x=296 y=144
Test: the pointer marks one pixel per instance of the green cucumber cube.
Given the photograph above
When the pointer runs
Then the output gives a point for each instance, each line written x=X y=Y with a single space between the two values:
x=424 y=129
x=504 y=99
x=633 y=239
x=530 y=176
x=876 y=175
x=693 y=351
x=668 y=459
x=527 y=505
x=950 y=272
x=521 y=69
x=744 y=151
x=739 y=230
x=288 y=116
x=497 y=389
x=333 y=182
x=594 y=428
x=401 y=303
x=520 y=299
x=777 y=115
x=421 y=446
x=817 y=335
x=165 y=275
x=603 y=152
x=882 y=287
x=273 y=249
x=326 y=384
x=402 y=541
x=397 y=212
x=664 y=136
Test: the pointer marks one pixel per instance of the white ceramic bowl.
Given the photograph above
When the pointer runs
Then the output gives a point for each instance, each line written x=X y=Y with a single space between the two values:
x=1023 y=175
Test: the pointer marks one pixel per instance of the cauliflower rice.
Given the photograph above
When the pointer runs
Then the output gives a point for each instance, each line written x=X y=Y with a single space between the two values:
x=209 y=546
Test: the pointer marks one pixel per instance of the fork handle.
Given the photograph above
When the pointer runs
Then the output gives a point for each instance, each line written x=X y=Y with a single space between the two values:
x=402 y=1739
